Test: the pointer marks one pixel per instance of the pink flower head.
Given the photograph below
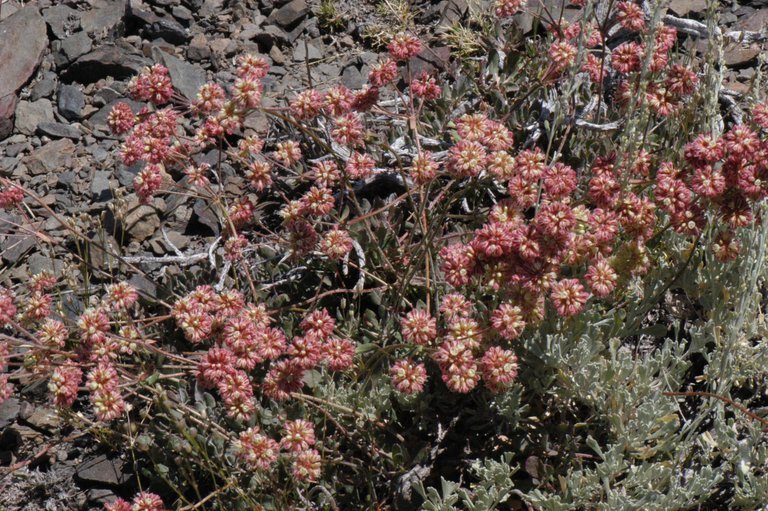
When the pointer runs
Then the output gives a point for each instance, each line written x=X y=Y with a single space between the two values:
x=499 y=368
x=64 y=383
x=339 y=353
x=252 y=67
x=214 y=365
x=418 y=327
x=307 y=104
x=507 y=8
x=146 y=501
x=307 y=466
x=121 y=119
x=258 y=451
x=383 y=72
x=298 y=436
x=408 y=377
x=601 y=278
x=338 y=100
x=425 y=87
x=336 y=244
x=424 y=168
x=153 y=84
x=630 y=16
x=318 y=323
x=360 y=165
x=568 y=296
x=466 y=159
x=404 y=46
x=508 y=321
x=283 y=378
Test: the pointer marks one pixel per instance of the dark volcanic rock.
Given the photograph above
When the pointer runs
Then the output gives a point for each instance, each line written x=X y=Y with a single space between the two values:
x=104 y=61
x=290 y=14
x=58 y=130
x=62 y=20
x=75 y=46
x=105 y=16
x=18 y=61
x=50 y=157
x=30 y=114
x=70 y=102
x=102 y=471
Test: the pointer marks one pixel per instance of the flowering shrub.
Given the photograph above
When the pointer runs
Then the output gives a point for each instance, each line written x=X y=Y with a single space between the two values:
x=418 y=279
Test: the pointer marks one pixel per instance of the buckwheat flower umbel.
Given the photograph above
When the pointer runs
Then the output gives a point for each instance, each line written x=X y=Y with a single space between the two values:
x=121 y=119
x=630 y=16
x=153 y=84
x=197 y=175
x=601 y=278
x=247 y=93
x=307 y=466
x=708 y=182
x=307 y=104
x=492 y=240
x=568 y=297
x=359 y=165
x=423 y=169
x=11 y=195
x=364 y=99
x=703 y=149
x=287 y=152
x=562 y=53
x=214 y=365
x=507 y=8
x=6 y=388
x=335 y=244
x=93 y=325
x=318 y=323
x=741 y=142
x=64 y=383
x=455 y=305
x=462 y=378
x=298 y=436
x=466 y=159
x=497 y=137
x=408 y=377
x=499 y=368
x=472 y=127
x=339 y=353
x=236 y=391
x=108 y=404
x=241 y=212
x=52 y=333
x=258 y=451
x=464 y=330
x=725 y=247
x=338 y=101
x=318 y=201
x=501 y=165
x=457 y=264
x=146 y=501
x=148 y=181
x=760 y=114
x=271 y=342
x=259 y=174
x=382 y=72
x=283 y=378
x=117 y=505
x=120 y=296
x=252 y=67
x=404 y=46
x=559 y=181
x=507 y=320
x=425 y=86
x=348 y=130
x=210 y=98
x=627 y=57
x=418 y=327
x=325 y=173
x=38 y=306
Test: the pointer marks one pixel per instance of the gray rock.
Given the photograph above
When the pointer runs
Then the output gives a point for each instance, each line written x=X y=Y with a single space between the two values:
x=62 y=20
x=38 y=263
x=683 y=7
x=290 y=14
x=100 y=190
x=104 y=61
x=167 y=29
x=306 y=52
x=186 y=78
x=18 y=61
x=50 y=157
x=198 y=48
x=182 y=14
x=16 y=246
x=70 y=102
x=9 y=410
x=272 y=36
x=59 y=130
x=67 y=180
x=141 y=222
x=103 y=471
x=102 y=250
x=105 y=17
x=30 y=114
x=76 y=45
x=352 y=78
x=44 y=88
x=204 y=216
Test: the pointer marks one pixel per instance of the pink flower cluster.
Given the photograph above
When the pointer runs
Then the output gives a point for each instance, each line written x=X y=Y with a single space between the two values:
x=143 y=501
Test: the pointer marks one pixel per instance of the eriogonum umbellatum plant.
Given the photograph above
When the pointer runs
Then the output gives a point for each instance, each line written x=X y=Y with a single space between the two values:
x=433 y=272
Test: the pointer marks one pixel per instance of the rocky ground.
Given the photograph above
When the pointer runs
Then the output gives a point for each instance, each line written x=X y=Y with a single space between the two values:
x=64 y=64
